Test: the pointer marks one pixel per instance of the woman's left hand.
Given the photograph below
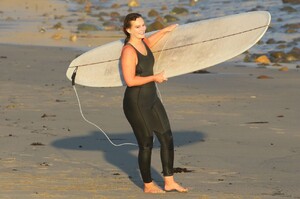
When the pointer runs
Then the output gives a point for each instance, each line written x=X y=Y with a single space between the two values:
x=170 y=27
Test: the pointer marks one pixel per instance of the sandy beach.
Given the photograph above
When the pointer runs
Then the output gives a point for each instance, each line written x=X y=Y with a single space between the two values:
x=236 y=133
x=236 y=128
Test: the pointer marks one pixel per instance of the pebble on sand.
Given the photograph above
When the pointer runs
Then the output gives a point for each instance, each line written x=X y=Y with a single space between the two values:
x=37 y=144
x=292 y=28
x=170 y=18
x=180 y=11
x=115 y=5
x=42 y=30
x=88 y=7
x=133 y=3
x=110 y=26
x=87 y=27
x=193 y=2
x=156 y=25
x=288 y=9
x=291 y=1
x=264 y=77
x=57 y=36
x=182 y=170
x=284 y=69
x=153 y=13
x=73 y=38
x=58 y=26
x=263 y=59
x=164 y=7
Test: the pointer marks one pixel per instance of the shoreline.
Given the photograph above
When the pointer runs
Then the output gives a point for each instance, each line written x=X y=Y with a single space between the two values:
x=56 y=23
x=85 y=43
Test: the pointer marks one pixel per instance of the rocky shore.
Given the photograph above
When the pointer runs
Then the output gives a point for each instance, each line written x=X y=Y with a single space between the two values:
x=88 y=23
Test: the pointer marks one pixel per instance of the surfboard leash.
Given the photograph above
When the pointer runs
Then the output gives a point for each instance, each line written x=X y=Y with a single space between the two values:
x=89 y=122
x=158 y=59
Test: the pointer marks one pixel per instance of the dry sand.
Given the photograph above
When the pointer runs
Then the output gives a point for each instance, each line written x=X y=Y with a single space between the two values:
x=239 y=135
x=32 y=22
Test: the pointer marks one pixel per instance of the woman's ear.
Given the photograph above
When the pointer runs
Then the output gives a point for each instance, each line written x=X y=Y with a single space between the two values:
x=128 y=30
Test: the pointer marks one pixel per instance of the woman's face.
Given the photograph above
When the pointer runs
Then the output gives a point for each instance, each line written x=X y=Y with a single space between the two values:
x=137 y=29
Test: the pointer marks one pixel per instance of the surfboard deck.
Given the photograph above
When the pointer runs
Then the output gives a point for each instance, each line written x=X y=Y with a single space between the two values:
x=190 y=47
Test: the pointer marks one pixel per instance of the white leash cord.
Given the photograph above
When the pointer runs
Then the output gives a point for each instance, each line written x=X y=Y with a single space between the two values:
x=158 y=59
x=80 y=109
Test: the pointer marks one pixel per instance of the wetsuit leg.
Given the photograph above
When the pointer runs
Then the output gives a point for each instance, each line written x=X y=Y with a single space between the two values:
x=145 y=142
x=166 y=151
x=134 y=115
x=165 y=137
x=145 y=117
x=144 y=158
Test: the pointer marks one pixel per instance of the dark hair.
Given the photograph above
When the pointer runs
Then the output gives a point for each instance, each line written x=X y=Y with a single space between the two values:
x=127 y=24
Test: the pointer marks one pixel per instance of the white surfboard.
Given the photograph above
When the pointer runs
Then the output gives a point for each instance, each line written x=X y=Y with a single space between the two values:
x=190 y=47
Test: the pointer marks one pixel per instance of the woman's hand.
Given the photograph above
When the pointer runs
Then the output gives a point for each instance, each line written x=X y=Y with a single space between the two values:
x=170 y=28
x=154 y=38
x=160 y=77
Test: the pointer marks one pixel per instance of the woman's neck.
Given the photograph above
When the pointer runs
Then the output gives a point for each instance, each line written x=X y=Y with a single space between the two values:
x=135 y=41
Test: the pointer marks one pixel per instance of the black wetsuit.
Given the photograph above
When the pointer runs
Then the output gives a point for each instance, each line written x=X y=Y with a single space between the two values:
x=146 y=114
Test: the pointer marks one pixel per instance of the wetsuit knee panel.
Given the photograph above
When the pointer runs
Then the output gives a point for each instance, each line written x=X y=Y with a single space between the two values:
x=166 y=139
x=146 y=143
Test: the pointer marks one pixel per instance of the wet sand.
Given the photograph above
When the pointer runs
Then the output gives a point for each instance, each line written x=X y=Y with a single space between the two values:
x=239 y=135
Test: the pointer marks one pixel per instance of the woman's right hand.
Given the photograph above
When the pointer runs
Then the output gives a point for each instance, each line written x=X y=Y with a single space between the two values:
x=160 y=77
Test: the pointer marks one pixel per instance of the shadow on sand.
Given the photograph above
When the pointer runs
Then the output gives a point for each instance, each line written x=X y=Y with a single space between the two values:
x=123 y=157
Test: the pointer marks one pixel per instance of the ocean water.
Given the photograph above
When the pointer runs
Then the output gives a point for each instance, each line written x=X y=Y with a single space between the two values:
x=285 y=38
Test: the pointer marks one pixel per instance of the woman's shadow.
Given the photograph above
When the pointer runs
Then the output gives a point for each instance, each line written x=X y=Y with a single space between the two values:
x=123 y=157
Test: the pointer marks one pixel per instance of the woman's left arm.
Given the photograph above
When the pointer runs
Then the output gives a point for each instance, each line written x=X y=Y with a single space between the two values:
x=152 y=39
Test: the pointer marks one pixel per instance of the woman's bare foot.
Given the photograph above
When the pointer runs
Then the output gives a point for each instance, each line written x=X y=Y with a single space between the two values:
x=171 y=185
x=152 y=188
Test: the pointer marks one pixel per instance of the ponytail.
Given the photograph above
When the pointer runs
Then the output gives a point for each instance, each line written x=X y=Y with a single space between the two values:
x=127 y=37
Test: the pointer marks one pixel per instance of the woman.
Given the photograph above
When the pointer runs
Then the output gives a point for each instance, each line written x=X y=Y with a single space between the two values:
x=141 y=105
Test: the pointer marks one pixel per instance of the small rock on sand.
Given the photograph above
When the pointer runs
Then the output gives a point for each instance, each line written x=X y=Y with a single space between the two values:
x=133 y=3
x=263 y=59
x=264 y=77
